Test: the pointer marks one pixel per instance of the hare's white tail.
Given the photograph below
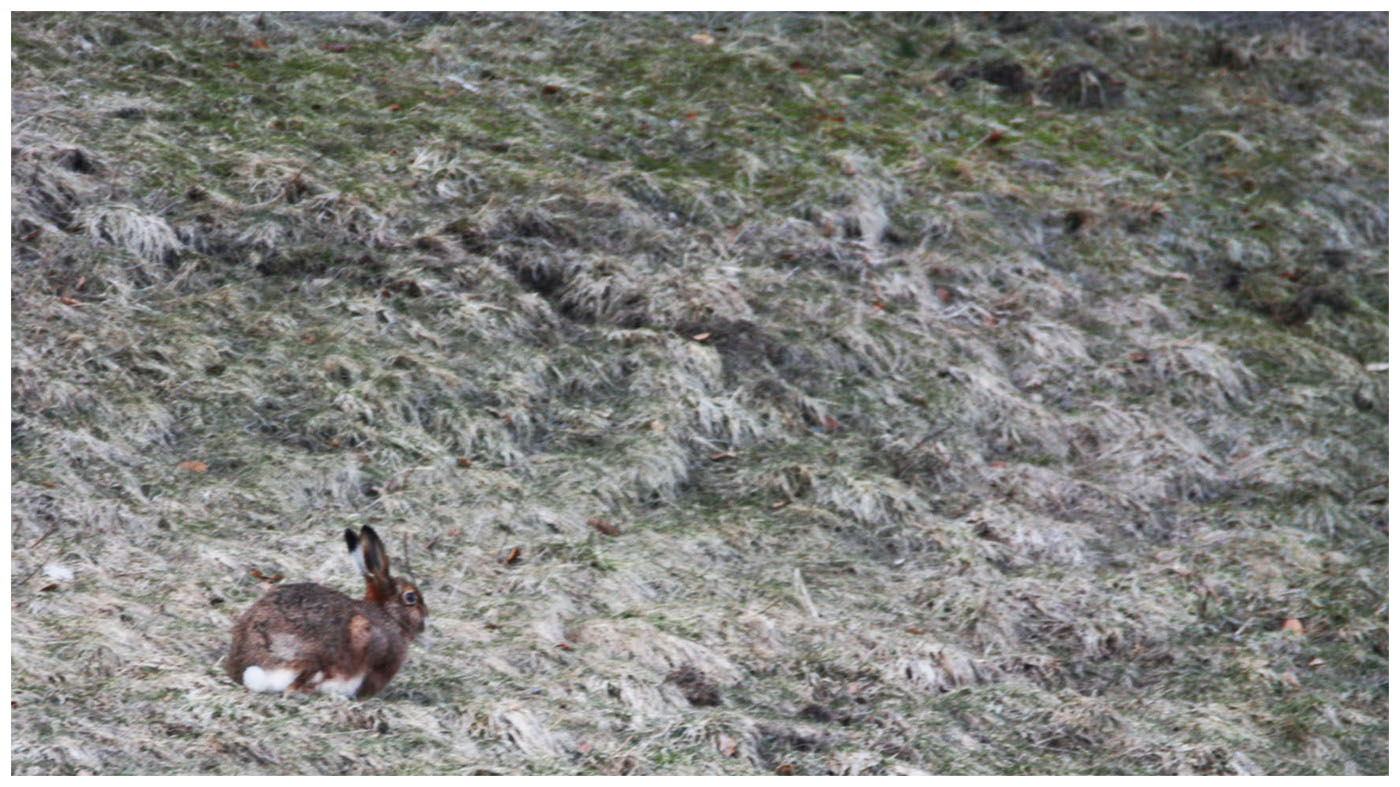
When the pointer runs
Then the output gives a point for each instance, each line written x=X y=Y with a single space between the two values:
x=258 y=679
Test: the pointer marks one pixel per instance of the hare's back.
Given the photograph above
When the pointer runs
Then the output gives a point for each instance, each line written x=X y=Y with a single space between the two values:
x=306 y=601
x=311 y=616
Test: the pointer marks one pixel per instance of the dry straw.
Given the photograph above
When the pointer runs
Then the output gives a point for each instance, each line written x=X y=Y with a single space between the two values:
x=941 y=423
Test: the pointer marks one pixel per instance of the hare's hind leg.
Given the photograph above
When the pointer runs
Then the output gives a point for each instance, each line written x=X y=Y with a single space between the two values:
x=345 y=686
x=345 y=673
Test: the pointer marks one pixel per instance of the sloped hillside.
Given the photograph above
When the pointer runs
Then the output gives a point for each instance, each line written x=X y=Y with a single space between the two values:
x=979 y=393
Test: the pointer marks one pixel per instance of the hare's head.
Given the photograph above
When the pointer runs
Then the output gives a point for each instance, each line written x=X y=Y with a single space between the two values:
x=399 y=598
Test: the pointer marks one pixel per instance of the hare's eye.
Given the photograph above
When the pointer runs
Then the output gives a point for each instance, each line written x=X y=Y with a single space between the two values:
x=410 y=598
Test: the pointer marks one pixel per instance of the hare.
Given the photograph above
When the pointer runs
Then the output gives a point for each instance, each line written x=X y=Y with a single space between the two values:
x=306 y=637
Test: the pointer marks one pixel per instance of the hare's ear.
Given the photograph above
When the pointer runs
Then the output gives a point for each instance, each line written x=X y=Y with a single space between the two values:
x=373 y=562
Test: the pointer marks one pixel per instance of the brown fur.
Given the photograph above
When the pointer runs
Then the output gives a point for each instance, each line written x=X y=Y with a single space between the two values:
x=312 y=629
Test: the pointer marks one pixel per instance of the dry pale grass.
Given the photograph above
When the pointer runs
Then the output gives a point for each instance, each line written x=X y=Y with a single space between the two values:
x=749 y=393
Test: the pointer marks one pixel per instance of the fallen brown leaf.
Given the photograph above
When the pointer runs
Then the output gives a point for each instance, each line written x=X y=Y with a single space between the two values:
x=194 y=466
x=604 y=526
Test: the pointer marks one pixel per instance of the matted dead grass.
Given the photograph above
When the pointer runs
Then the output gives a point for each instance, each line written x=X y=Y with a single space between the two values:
x=870 y=394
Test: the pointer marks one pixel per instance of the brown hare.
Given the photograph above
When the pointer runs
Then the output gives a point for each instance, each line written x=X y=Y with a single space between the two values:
x=306 y=637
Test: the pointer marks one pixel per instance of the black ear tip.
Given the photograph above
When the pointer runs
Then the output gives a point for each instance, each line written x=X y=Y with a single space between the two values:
x=351 y=540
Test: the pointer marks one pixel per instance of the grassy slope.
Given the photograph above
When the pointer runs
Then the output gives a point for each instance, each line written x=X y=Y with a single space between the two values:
x=947 y=428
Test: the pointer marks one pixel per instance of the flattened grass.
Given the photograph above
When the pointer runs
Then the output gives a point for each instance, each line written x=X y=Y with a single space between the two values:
x=756 y=393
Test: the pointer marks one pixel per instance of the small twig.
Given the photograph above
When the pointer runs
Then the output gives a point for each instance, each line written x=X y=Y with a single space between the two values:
x=407 y=566
x=52 y=529
x=802 y=592
x=770 y=606
x=27 y=577
x=900 y=468
x=978 y=143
